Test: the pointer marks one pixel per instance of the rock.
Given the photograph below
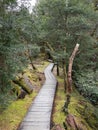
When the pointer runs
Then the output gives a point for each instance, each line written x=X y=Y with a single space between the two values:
x=71 y=121
x=22 y=94
x=57 y=127
x=75 y=123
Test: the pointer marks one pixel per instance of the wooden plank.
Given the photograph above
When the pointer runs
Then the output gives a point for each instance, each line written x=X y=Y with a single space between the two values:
x=38 y=116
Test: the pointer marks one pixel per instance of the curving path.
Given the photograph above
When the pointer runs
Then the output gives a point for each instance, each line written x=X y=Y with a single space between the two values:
x=39 y=114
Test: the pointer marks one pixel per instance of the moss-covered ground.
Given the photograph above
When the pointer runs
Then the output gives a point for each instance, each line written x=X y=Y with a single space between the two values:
x=12 y=114
x=84 y=112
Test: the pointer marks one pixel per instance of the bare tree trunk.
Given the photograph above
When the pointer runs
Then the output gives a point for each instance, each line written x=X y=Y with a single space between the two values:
x=64 y=74
x=69 y=79
x=58 y=69
x=49 y=46
x=30 y=58
x=71 y=59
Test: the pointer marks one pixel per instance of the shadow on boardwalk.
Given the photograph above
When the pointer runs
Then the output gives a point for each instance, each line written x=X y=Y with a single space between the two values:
x=38 y=116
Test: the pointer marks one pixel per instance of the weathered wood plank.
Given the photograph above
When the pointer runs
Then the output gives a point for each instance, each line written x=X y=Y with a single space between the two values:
x=38 y=116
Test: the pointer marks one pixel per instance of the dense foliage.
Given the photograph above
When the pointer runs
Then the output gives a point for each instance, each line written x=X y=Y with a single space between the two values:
x=62 y=25
x=53 y=28
x=56 y=25
x=16 y=36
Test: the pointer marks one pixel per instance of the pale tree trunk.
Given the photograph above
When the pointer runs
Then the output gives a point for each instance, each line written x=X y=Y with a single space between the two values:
x=69 y=79
x=71 y=59
x=49 y=46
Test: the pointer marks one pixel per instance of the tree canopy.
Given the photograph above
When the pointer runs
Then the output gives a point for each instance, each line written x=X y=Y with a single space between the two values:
x=53 y=24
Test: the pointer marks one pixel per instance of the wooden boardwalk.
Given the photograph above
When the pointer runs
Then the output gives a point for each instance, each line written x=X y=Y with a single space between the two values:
x=38 y=116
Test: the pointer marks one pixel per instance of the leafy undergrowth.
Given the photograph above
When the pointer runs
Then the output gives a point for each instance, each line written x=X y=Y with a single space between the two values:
x=87 y=84
x=84 y=112
x=12 y=114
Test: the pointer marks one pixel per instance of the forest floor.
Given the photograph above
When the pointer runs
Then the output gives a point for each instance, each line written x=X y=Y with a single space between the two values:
x=86 y=114
x=14 y=110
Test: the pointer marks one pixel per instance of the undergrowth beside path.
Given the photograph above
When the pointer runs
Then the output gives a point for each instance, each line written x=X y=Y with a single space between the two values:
x=84 y=112
x=13 y=113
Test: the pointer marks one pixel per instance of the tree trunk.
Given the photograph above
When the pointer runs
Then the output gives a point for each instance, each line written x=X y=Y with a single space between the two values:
x=94 y=30
x=49 y=46
x=3 y=71
x=30 y=58
x=58 y=69
x=71 y=59
x=65 y=75
x=69 y=79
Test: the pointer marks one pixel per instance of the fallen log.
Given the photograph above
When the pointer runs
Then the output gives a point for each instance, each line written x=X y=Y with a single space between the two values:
x=23 y=85
x=28 y=82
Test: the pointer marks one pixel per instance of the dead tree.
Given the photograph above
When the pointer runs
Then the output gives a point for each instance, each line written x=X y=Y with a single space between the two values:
x=71 y=59
x=69 y=79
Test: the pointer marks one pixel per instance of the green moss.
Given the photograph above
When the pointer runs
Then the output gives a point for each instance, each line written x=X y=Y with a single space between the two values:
x=14 y=113
x=82 y=109
x=17 y=89
x=79 y=107
x=24 y=86
x=59 y=118
x=11 y=117
x=58 y=115
x=31 y=74
x=42 y=66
